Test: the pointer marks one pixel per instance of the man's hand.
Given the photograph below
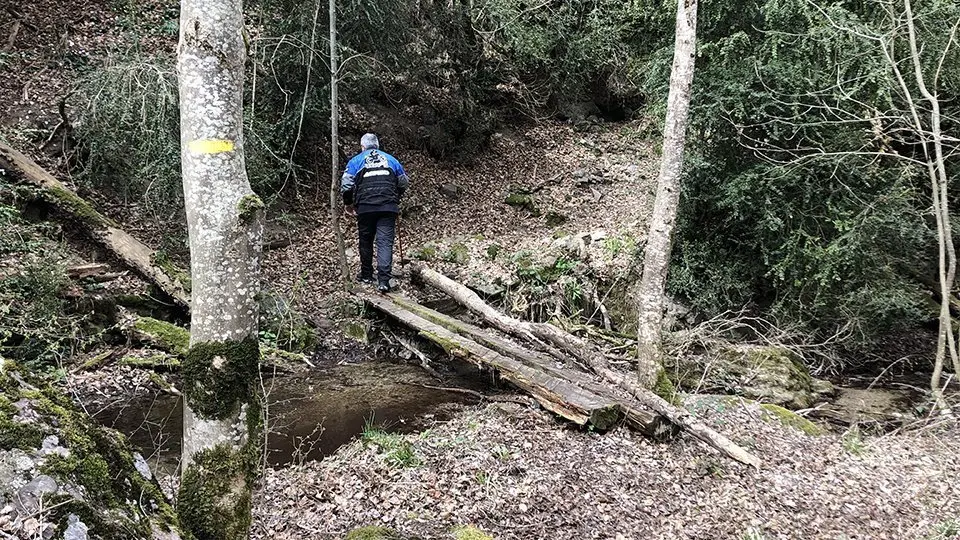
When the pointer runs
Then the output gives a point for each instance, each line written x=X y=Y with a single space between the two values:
x=349 y=210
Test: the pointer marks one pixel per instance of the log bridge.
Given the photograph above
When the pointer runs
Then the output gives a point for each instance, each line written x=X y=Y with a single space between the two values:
x=546 y=366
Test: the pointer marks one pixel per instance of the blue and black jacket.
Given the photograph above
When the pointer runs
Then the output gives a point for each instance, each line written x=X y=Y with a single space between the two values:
x=374 y=181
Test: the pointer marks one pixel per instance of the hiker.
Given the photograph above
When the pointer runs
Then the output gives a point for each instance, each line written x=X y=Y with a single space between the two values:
x=372 y=185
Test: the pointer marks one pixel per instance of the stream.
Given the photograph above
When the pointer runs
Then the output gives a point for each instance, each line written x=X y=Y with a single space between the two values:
x=309 y=417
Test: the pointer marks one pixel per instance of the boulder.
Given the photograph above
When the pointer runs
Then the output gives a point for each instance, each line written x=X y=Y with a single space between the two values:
x=769 y=374
x=451 y=191
x=83 y=475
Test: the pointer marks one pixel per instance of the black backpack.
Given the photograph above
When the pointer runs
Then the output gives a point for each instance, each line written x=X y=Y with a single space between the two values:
x=376 y=182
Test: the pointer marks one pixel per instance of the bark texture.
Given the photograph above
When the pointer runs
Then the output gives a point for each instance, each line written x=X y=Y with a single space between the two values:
x=656 y=259
x=134 y=253
x=224 y=217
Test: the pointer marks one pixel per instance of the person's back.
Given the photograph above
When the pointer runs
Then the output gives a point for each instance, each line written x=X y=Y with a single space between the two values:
x=373 y=183
x=379 y=181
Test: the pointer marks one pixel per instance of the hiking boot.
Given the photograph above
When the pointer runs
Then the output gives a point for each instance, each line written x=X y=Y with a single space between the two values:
x=384 y=288
x=366 y=280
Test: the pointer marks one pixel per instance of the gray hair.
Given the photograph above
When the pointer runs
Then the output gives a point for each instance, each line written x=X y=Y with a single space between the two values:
x=369 y=140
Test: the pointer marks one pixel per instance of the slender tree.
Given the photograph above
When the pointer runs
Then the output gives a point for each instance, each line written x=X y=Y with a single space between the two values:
x=660 y=236
x=222 y=415
x=335 y=150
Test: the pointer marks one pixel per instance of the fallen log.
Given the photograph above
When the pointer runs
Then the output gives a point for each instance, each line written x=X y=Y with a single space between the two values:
x=588 y=354
x=555 y=394
x=86 y=270
x=170 y=279
x=639 y=417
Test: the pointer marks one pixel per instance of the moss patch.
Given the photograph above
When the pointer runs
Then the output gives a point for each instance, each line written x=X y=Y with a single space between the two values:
x=157 y=361
x=178 y=275
x=214 y=496
x=458 y=253
x=73 y=203
x=470 y=532
x=165 y=336
x=218 y=376
x=791 y=419
x=372 y=533
x=427 y=252
x=249 y=208
x=665 y=388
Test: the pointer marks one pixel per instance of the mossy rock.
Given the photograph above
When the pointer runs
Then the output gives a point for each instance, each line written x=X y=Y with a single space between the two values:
x=94 y=473
x=555 y=219
x=286 y=328
x=765 y=373
x=523 y=201
x=373 y=532
x=790 y=419
x=356 y=329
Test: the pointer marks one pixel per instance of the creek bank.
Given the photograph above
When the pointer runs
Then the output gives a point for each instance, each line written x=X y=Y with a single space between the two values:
x=309 y=416
x=60 y=471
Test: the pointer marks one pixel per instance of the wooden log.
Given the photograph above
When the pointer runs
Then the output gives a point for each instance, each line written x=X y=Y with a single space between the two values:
x=170 y=279
x=588 y=354
x=639 y=417
x=555 y=394
x=87 y=270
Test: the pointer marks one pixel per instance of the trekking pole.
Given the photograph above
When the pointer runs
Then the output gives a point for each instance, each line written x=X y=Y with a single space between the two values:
x=400 y=238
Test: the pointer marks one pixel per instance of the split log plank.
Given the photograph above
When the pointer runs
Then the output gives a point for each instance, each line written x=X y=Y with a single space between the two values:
x=639 y=417
x=100 y=228
x=553 y=393
x=585 y=352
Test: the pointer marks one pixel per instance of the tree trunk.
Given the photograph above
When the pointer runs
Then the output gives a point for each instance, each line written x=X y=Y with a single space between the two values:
x=222 y=413
x=335 y=150
x=656 y=257
x=168 y=277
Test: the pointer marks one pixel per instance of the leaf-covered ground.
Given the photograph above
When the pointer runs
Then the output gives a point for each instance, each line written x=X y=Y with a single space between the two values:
x=519 y=474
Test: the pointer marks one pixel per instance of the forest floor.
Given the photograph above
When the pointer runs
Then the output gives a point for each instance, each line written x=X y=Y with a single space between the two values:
x=518 y=472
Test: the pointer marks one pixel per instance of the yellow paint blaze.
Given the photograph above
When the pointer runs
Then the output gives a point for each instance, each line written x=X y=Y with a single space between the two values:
x=210 y=146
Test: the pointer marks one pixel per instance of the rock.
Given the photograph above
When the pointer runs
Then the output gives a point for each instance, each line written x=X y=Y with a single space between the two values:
x=39 y=486
x=451 y=191
x=51 y=446
x=29 y=496
x=76 y=529
x=489 y=291
x=766 y=373
x=142 y=466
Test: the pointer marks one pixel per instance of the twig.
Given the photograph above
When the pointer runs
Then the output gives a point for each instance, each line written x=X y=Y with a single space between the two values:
x=14 y=30
x=424 y=360
x=474 y=393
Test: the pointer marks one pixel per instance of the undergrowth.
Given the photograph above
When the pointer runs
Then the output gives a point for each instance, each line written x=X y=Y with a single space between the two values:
x=37 y=327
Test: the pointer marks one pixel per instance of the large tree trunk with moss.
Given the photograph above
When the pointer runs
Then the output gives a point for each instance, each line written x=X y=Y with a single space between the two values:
x=222 y=416
x=656 y=257
x=160 y=271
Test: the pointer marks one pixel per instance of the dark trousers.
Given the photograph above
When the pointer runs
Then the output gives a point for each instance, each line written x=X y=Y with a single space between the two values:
x=379 y=226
